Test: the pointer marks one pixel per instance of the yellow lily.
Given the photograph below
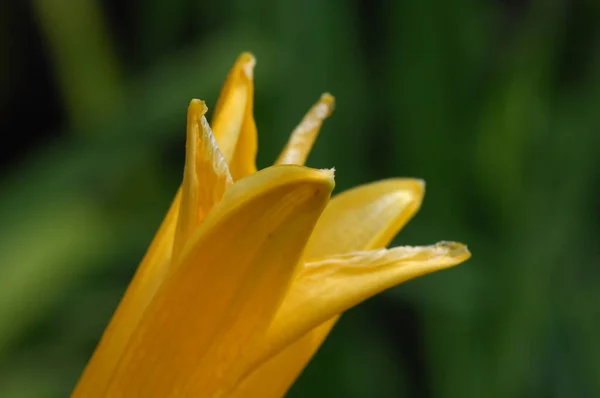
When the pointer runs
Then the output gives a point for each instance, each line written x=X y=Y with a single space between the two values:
x=250 y=270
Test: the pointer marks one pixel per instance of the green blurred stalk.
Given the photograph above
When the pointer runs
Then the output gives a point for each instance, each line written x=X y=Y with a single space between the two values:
x=85 y=64
x=42 y=257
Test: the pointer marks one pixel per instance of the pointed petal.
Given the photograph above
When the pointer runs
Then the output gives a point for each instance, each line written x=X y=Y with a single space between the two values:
x=331 y=286
x=366 y=217
x=205 y=177
x=141 y=290
x=233 y=119
x=230 y=279
x=363 y=218
x=303 y=137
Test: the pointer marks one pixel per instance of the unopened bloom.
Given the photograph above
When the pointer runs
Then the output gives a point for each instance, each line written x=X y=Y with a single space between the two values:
x=250 y=269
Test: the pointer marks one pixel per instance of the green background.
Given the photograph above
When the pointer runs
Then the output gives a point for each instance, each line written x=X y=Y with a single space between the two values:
x=496 y=104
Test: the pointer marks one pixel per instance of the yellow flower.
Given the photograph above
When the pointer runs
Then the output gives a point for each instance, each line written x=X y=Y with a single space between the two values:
x=250 y=269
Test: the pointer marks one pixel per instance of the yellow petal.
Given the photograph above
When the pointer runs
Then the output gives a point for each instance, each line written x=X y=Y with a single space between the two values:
x=232 y=275
x=331 y=286
x=366 y=217
x=303 y=137
x=233 y=119
x=363 y=218
x=273 y=378
x=140 y=292
x=205 y=177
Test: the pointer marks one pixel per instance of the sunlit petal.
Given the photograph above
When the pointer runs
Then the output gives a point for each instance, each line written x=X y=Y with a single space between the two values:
x=205 y=177
x=304 y=135
x=328 y=287
x=366 y=217
x=231 y=278
x=233 y=119
x=381 y=209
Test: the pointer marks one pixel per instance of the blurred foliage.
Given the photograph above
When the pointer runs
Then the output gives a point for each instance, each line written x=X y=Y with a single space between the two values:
x=494 y=103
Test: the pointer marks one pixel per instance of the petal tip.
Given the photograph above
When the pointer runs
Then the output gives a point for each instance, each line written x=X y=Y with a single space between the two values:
x=418 y=187
x=197 y=107
x=411 y=189
x=247 y=61
x=456 y=250
x=325 y=106
x=329 y=175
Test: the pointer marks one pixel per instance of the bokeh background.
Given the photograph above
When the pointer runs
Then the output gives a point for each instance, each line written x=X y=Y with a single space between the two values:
x=495 y=103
